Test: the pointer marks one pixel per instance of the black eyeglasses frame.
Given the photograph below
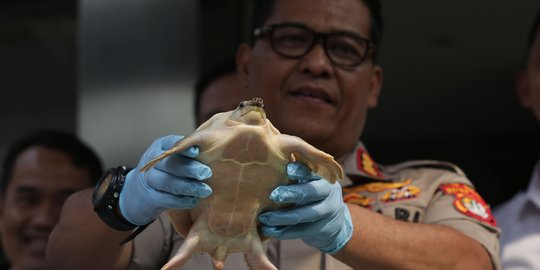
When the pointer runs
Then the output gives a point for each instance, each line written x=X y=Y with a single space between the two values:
x=318 y=37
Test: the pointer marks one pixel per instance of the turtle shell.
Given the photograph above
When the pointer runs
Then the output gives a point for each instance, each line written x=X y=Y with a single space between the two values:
x=248 y=158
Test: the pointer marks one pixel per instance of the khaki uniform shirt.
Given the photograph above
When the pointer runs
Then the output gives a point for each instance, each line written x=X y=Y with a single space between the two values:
x=431 y=192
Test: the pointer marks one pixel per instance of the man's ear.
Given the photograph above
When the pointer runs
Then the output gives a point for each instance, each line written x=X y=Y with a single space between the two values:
x=243 y=60
x=376 y=86
x=523 y=89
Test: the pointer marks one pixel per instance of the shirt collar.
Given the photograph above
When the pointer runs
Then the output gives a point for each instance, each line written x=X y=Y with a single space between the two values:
x=359 y=165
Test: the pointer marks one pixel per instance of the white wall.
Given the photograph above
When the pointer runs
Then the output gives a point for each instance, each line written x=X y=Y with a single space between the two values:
x=121 y=123
x=137 y=66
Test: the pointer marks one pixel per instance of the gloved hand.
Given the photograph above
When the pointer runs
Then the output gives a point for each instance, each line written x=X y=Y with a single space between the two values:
x=320 y=217
x=175 y=182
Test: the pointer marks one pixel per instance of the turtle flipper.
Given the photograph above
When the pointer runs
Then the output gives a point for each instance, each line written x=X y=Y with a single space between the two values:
x=204 y=139
x=178 y=147
x=255 y=257
x=318 y=161
x=185 y=252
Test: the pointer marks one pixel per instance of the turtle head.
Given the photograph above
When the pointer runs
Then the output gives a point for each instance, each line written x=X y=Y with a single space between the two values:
x=249 y=112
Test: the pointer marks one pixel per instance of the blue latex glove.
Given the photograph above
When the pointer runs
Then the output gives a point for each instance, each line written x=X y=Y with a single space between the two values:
x=320 y=217
x=175 y=182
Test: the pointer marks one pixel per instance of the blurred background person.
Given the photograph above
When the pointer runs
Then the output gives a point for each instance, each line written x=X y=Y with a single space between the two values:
x=519 y=218
x=38 y=173
x=218 y=90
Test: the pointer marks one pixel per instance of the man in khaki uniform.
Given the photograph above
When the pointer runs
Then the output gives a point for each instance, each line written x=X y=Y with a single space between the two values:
x=313 y=63
x=422 y=191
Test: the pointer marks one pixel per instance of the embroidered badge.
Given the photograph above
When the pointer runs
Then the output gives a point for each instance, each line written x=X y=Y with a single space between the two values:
x=469 y=202
x=402 y=193
x=395 y=192
x=365 y=163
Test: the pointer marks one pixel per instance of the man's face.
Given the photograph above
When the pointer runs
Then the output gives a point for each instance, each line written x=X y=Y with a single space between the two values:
x=224 y=94
x=309 y=97
x=529 y=81
x=30 y=207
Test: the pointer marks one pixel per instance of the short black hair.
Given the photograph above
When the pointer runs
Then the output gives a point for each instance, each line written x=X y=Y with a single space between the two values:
x=81 y=155
x=221 y=69
x=263 y=9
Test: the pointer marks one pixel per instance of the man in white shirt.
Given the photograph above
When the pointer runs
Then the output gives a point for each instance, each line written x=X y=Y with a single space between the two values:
x=519 y=218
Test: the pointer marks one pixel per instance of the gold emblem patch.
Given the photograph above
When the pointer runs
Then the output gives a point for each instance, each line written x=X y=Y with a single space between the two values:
x=395 y=191
x=377 y=187
x=365 y=163
x=358 y=199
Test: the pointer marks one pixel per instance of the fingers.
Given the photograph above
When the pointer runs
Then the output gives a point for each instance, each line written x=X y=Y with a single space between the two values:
x=181 y=166
x=164 y=182
x=301 y=172
x=303 y=214
x=290 y=232
x=326 y=200
x=168 y=142
x=142 y=211
x=302 y=193
x=163 y=144
x=177 y=202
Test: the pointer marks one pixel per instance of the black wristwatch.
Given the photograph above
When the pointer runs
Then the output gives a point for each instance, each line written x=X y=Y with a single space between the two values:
x=106 y=196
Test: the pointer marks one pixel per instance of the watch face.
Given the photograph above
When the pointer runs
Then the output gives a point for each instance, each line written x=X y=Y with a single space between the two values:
x=102 y=187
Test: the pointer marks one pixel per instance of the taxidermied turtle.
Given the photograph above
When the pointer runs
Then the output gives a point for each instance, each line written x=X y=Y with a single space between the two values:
x=248 y=157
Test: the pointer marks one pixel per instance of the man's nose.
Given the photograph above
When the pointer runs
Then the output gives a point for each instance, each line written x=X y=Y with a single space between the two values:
x=316 y=62
x=47 y=215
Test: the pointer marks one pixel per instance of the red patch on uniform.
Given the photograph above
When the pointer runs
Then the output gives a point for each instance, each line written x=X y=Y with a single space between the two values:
x=469 y=202
x=365 y=163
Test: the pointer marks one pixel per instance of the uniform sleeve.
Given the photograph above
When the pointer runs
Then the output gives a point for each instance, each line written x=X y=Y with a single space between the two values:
x=452 y=210
x=153 y=247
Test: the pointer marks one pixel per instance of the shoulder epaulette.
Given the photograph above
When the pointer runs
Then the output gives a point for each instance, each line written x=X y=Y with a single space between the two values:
x=413 y=164
x=359 y=166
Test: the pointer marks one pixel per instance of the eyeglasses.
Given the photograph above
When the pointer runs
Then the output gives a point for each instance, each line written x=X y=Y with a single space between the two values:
x=344 y=49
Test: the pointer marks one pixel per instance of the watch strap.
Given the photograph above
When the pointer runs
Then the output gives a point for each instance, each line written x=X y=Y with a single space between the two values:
x=106 y=207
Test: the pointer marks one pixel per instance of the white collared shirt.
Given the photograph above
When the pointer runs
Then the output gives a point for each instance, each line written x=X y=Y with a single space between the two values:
x=519 y=220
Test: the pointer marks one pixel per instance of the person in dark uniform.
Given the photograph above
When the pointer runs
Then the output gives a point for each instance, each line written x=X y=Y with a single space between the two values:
x=314 y=64
x=218 y=90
